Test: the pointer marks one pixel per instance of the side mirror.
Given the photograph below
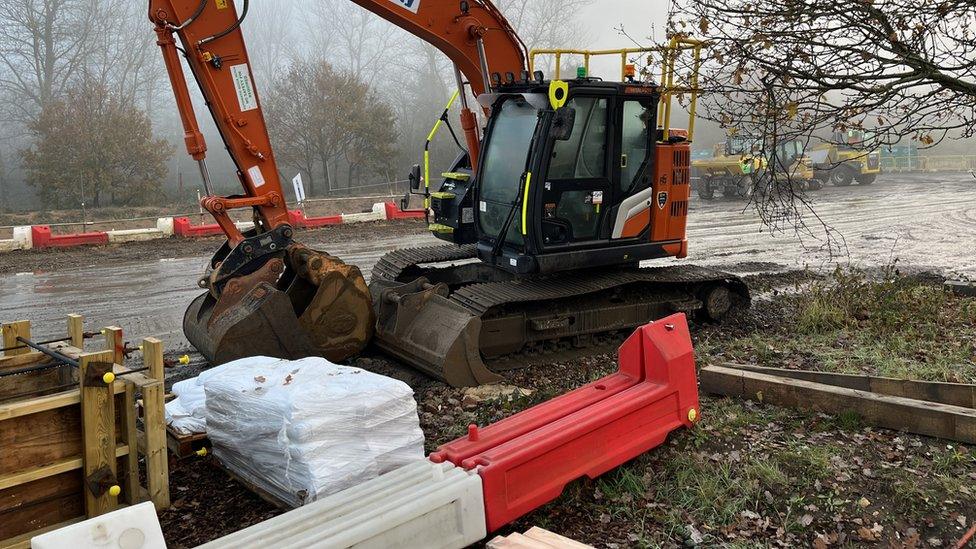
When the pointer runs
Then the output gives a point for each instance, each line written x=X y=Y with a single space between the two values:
x=562 y=123
x=414 y=178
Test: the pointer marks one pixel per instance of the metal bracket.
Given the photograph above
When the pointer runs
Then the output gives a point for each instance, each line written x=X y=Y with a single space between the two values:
x=95 y=374
x=100 y=481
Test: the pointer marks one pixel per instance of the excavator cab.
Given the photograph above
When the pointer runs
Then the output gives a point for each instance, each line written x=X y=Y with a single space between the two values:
x=569 y=185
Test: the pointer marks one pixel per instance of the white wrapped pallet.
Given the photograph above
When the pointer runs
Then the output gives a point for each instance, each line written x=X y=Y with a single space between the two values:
x=304 y=429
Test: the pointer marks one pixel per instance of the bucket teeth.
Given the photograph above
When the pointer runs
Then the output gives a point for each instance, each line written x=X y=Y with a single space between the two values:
x=418 y=324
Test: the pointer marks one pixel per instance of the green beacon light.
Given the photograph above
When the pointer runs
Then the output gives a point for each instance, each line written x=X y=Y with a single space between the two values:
x=581 y=72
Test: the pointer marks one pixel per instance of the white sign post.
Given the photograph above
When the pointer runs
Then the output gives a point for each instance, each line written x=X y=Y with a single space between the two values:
x=299 y=192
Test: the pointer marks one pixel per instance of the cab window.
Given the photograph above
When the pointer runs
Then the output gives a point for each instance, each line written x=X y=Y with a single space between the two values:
x=583 y=155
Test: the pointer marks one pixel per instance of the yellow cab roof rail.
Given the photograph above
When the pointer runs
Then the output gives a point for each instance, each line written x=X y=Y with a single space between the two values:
x=668 y=56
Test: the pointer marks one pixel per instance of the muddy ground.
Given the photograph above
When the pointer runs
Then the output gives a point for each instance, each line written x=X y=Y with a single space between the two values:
x=749 y=475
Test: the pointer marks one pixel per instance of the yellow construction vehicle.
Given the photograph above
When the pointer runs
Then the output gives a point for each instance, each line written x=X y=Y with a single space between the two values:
x=735 y=165
x=844 y=160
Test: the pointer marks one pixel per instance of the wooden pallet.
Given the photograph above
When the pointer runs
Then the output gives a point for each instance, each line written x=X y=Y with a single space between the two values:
x=184 y=446
x=70 y=439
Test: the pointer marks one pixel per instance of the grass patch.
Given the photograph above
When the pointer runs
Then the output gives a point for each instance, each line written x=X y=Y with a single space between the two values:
x=883 y=324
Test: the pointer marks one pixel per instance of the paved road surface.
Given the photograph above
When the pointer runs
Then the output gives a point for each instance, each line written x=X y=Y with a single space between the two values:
x=925 y=221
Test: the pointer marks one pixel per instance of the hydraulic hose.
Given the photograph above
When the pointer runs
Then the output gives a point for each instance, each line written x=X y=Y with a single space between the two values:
x=230 y=29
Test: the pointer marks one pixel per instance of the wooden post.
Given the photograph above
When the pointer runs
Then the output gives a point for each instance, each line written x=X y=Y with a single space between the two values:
x=13 y=330
x=76 y=331
x=98 y=423
x=157 y=465
x=131 y=472
x=114 y=343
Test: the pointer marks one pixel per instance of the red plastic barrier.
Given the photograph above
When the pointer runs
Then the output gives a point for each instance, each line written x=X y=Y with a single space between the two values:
x=312 y=222
x=393 y=211
x=42 y=238
x=527 y=462
x=296 y=218
x=184 y=229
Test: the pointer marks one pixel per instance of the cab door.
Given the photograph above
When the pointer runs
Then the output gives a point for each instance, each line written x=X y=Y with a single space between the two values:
x=633 y=169
x=577 y=187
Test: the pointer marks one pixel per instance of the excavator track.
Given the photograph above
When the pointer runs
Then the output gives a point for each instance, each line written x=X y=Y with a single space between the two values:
x=393 y=265
x=447 y=320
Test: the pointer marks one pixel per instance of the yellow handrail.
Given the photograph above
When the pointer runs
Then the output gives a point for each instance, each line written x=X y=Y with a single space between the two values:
x=669 y=55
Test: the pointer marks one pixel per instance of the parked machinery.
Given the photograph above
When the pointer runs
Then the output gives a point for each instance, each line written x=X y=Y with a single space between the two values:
x=844 y=160
x=736 y=165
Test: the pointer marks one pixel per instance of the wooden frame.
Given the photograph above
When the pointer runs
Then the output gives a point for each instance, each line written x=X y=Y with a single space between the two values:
x=70 y=445
x=942 y=410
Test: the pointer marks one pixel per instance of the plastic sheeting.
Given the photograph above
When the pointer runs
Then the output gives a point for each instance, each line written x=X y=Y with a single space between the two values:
x=187 y=413
x=305 y=429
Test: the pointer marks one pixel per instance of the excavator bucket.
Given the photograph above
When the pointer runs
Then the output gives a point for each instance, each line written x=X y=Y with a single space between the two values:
x=419 y=325
x=318 y=305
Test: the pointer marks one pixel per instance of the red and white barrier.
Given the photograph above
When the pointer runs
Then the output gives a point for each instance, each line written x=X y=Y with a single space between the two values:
x=40 y=236
x=23 y=240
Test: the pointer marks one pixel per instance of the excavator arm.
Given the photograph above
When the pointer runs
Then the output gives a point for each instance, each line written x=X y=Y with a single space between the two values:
x=265 y=293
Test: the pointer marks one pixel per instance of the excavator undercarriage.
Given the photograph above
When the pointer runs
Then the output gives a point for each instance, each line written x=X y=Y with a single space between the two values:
x=445 y=313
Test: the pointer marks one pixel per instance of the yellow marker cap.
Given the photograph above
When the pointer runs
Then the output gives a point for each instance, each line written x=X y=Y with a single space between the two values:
x=692 y=415
x=201 y=452
x=185 y=359
x=109 y=377
x=115 y=490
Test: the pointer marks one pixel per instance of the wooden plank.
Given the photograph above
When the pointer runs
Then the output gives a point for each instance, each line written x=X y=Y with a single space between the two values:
x=13 y=330
x=157 y=460
x=56 y=468
x=154 y=423
x=51 y=500
x=44 y=438
x=98 y=422
x=955 y=394
x=554 y=539
x=114 y=343
x=23 y=541
x=891 y=412
x=130 y=473
x=76 y=331
x=35 y=405
x=36 y=357
x=33 y=384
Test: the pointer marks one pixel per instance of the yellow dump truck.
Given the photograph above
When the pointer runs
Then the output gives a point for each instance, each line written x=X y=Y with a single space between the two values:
x=734 y=165
x=844 y=160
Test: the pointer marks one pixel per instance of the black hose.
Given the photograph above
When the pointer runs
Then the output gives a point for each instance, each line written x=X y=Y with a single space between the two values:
x=229 y=30
x=203 y=4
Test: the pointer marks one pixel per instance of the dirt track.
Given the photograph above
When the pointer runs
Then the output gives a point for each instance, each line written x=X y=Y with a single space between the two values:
x=926 y=221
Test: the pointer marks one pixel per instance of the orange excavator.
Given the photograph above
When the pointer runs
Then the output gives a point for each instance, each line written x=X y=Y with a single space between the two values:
x=547 y=212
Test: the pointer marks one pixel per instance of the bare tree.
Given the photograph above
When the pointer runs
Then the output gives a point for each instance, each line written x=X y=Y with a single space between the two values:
x=43 y=45
x=319 y=116
x=805 y=69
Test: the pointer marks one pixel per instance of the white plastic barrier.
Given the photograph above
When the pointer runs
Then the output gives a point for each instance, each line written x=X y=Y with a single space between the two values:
x=135 y=527
x=23 y=240
x=422 y=505
x=134 y=235
x=165 y=226
x=378 y=214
